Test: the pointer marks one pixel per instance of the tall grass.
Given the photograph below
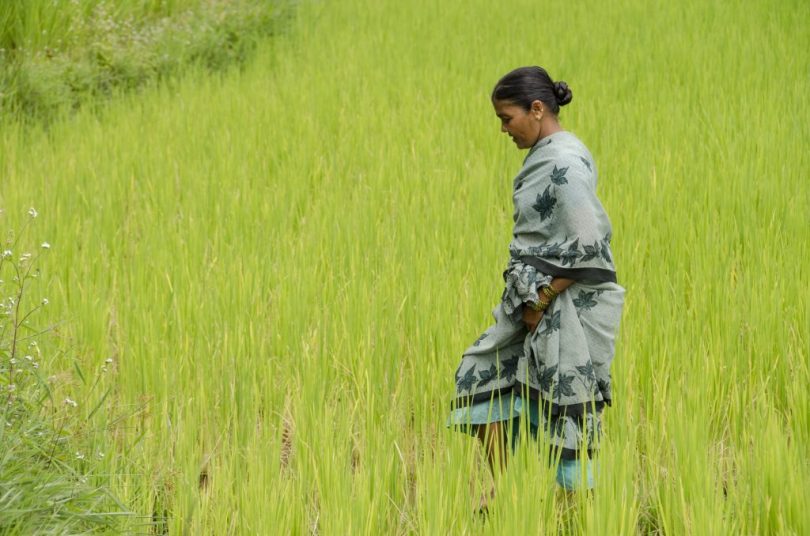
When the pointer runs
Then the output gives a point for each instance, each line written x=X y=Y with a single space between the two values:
x=56 y=55
x=53 y=23
x=286 y=264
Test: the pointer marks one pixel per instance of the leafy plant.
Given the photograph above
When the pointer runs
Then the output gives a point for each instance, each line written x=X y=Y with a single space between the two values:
x=45 y=482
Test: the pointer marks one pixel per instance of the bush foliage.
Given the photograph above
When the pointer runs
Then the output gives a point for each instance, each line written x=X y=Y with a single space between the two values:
x=54 y=55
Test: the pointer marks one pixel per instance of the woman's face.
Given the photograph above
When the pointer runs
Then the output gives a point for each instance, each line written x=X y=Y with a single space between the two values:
x=521 y=125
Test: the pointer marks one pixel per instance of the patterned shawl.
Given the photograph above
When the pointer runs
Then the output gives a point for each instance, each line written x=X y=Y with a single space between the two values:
x=561 y=230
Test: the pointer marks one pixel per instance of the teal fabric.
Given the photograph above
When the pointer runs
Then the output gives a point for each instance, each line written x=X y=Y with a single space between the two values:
x=570 y=475
x=502 y=409
x=511 y=408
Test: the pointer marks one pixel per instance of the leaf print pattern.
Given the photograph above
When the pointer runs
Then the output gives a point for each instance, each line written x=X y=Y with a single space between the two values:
x=509 y=367
x=546 y=378
x=570 y=255
x=554 y=250
x=606 y=252
x=481 y=338
x=606 y=248
x=604 y=387
x=546 y=250
x=587 y=372
x=585 y=300
x=545 y=203
x=563 y=387
x=558 y=428
x=591 y=252
x=551 y=323
x=558 y=176
x=487 y=376
x=466 y=383
x=593 y=429
x=587 y=164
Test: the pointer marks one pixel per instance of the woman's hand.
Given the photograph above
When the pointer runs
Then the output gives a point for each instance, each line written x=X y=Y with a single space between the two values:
x=531 y=318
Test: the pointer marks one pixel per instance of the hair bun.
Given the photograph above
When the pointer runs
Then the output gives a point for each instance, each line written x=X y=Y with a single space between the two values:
x=563 y=93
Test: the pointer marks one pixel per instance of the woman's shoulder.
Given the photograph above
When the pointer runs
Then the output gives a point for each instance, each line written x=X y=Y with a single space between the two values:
x=561 y=144
x=561 y=149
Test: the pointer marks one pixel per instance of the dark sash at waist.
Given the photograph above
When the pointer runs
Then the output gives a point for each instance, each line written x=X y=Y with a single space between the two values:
x=600 y=275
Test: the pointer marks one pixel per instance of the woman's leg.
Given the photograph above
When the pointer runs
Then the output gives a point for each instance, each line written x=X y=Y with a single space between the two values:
x=493 y=438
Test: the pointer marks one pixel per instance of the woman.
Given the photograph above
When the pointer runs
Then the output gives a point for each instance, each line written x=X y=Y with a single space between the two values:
x=547 y=357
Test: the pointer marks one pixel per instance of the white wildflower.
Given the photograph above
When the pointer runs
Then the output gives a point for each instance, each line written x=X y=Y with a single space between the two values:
x=33 y=212
x=13 y=360
x=45 y=245
x=71 y=402
x=108 y=360
x=7 y=254
x=79 y=456
x=12 y=388
x=29 y=358
x=45 y=301
x=24 y=257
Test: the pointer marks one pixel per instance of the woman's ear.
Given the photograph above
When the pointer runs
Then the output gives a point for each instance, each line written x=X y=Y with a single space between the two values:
x=538 y=109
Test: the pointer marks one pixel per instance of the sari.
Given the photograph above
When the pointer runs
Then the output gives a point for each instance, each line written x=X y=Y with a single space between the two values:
x=558 y=375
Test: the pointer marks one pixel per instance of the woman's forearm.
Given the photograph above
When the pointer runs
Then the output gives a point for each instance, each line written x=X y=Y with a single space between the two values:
x=534 y=313
x=558 y=284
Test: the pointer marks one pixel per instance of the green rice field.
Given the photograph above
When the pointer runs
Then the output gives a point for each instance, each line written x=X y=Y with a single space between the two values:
x=267 y=277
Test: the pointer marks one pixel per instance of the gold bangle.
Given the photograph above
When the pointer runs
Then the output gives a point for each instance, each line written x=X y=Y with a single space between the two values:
x=549 y=292
x=539 y=305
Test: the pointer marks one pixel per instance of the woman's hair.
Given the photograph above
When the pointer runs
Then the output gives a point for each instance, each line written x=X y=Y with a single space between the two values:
x=528 y=84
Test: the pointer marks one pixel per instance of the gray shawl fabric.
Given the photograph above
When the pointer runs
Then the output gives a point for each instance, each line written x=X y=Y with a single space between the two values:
x=561 y=230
